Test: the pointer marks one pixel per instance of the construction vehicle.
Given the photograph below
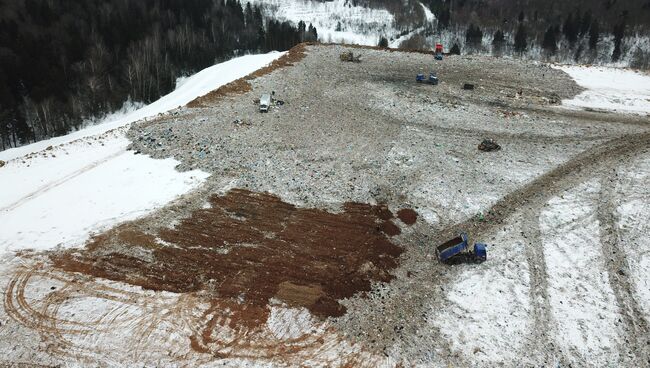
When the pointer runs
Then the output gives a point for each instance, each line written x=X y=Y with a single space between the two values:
x=349 y=56
x=456 y=251
x=265 y=102
x=438 y=51
x=433 y=78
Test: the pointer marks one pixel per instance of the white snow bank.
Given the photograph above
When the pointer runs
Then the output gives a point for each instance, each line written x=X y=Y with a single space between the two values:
x=88 y=181
x=614 y=89
x=633 y=213
x=192 y=87
x=487 y=316
x=581 y=297
x=118 y=186
x=335 y=21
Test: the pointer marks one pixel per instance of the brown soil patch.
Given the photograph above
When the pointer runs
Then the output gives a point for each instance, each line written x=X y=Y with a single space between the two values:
x=407 y=216
x=248 y=248
x=242 y=85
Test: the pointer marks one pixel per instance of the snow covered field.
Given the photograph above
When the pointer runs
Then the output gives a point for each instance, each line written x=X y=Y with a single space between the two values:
x=339 y=21
x=613 y=89
x=85 y=182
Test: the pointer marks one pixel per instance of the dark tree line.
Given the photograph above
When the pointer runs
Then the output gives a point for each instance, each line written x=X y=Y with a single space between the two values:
x=546 y=22
x=62 y=62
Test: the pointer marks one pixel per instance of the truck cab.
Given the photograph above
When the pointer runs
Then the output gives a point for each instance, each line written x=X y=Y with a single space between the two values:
x=265 y=102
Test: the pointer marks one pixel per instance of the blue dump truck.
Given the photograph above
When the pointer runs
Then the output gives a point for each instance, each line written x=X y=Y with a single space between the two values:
x=456 y=251
x=433 y=78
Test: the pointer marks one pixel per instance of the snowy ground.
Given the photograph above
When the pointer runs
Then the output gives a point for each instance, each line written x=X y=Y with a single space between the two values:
x=610 y=89
x=339 y=21
x=60 y=191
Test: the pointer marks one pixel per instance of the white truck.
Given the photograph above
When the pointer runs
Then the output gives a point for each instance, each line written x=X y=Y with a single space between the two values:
x=265 y=102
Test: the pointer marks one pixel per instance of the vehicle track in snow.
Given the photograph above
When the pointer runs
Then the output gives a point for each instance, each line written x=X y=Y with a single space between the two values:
x=57 y=183
x=635 y=332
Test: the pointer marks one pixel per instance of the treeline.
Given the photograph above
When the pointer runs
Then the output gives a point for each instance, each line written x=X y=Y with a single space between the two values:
x=582 y=30
x=63 y=62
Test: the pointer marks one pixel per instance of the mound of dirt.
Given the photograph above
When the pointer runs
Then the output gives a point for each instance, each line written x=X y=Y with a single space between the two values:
x=242 y=85
x=248 y=248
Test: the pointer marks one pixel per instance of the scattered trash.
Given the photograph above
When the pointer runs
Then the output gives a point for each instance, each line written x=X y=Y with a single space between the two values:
x=242 y=122
x=2 y=163
x=279 y=103
x=489 y=145
x=468 y=86
x=349 y=56
x=554 y=99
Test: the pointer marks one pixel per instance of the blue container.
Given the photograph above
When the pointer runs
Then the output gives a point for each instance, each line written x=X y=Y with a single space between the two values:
x=452 y=247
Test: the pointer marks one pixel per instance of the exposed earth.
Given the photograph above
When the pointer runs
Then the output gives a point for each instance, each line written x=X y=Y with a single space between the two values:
x=313 y=241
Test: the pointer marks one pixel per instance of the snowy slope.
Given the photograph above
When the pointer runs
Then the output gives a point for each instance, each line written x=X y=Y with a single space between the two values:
x=87 y=181
x=197 y=85
x=613 y=89
x=358 y=25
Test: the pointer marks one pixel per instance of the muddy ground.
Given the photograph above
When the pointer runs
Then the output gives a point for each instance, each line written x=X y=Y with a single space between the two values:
x=313 y=240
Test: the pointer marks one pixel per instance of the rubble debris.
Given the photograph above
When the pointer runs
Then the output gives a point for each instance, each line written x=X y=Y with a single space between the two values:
x=242 y=122
x=489 y=145
x=349 y=57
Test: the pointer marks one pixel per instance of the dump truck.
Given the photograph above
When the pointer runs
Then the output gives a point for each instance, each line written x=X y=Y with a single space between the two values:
x=456 y=250
x=433 y=78
x=438 y=52
x=265 y=102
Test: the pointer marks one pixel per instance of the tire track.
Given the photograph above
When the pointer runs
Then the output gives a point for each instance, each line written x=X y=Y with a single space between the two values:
x=543 y=326
x=46 y=188
x=635 y=332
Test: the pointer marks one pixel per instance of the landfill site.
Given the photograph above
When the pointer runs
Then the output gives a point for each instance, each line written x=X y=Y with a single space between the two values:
x=316 y=240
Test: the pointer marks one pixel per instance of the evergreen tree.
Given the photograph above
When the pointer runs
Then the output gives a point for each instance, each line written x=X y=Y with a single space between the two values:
x=383 y=42
x=618 y=32
x=455 y=49
x=585 y=23
x=594 y=35
x=498 y=40
x=473 y=36
x=521 y=39
x=570 y=29
x=549 y=44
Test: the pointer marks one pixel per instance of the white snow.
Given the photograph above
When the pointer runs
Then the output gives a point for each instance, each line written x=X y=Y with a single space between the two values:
x=613 y=89
x=358 y=25
x=190 y=88
x=581 y=297
x=633 y=213
x=488 y=310
x=87 y=181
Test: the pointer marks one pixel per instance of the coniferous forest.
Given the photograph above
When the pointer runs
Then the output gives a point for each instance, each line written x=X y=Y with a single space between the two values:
x=64 y=62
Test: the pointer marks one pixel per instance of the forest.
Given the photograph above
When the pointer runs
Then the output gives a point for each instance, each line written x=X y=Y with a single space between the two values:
x=581 y=31
x=63 y=63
